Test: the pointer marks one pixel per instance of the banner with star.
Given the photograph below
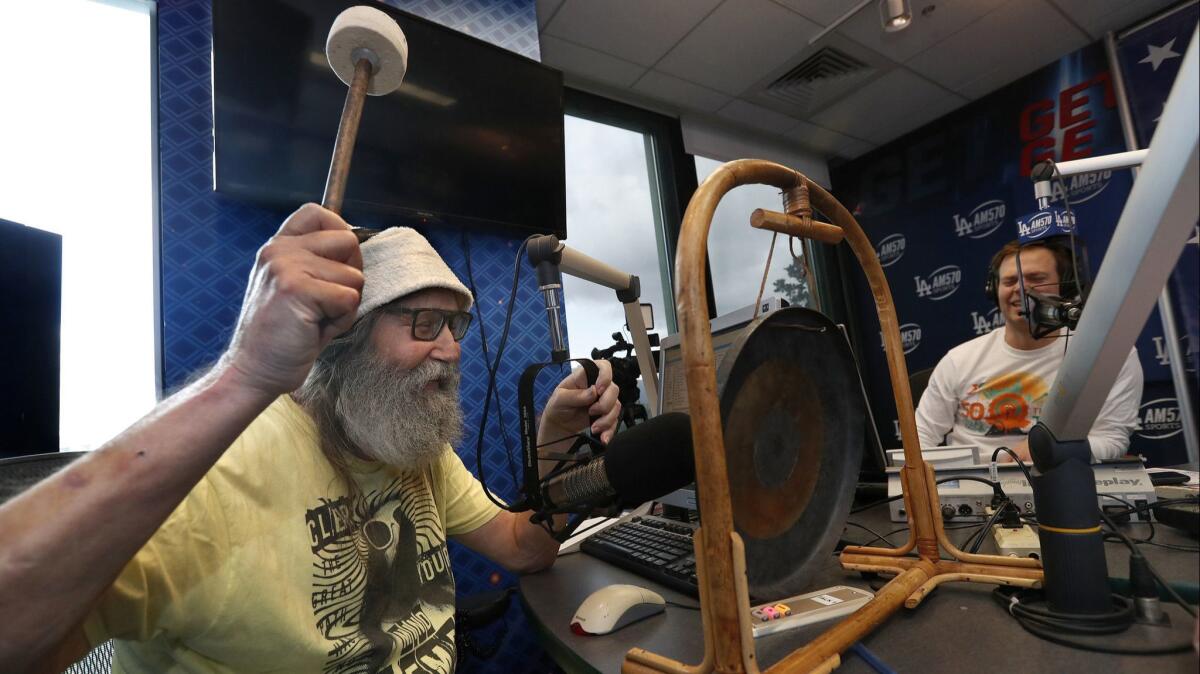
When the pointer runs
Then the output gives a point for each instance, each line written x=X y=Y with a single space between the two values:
x=1149 y=57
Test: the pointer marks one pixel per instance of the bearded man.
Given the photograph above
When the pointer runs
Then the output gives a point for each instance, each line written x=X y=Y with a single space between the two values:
x=317 y=541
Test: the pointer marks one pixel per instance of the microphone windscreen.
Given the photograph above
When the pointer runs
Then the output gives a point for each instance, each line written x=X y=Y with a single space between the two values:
x=651 y=459
x=1043 y=170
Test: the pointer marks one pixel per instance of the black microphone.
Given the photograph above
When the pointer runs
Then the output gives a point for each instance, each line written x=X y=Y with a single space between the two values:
x=646 y=461
x=545 y=254
x=1048 y=313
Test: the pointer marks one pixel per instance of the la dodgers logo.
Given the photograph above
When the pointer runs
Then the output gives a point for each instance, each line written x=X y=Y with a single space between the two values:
x=1036 y=226
x=1081 y=188
x=940 y=284
x=982 y=221
x=1163 y=355
x=910 y=337
x=988 y=322
x=890 y=249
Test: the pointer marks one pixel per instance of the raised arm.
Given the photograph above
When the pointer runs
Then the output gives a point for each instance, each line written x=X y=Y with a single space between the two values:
x=65 y=540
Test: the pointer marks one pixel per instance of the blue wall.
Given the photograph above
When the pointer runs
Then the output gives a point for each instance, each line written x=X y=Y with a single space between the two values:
x=208 y=244
x=940 y=201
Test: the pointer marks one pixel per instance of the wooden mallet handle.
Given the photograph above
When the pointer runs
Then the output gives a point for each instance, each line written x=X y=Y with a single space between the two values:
x=343 y=146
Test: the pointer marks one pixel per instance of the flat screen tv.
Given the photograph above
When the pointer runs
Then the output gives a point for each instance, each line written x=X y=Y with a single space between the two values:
x=474 y=136
x=30 y=316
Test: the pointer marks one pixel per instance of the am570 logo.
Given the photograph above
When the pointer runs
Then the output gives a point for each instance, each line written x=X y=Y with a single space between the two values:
x=982 y=220
x=940 y=284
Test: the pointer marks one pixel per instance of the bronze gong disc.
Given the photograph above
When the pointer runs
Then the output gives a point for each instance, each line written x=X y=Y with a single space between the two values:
x=793 y=418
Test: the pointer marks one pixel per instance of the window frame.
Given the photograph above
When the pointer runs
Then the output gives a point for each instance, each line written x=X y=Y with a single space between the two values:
x=672 y=173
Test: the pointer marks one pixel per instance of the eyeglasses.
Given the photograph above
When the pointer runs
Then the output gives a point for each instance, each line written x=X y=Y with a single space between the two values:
x=427 y=324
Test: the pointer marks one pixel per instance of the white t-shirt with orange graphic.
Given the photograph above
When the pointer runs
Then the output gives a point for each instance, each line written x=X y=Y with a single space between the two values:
x=987 y=393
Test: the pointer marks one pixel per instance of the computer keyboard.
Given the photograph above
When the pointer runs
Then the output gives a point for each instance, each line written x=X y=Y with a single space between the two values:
x=652 y=547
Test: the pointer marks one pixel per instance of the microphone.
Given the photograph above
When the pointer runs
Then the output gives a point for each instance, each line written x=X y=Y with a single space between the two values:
x=545 y=254
x=1048 y=313
x=1043 y=189
x=643 y=462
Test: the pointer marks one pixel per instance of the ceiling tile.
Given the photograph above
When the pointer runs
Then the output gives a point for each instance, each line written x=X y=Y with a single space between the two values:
x=827 y=142
x=738 y=44
x=680 y=93
x=947 y=18
x=545 y=11
x=1098 y=17
x=853 y=149
x=635 y=30
x=757 y=117
x=588 y=63
x=891 y=105
x=823 y=12
x=1012 y=41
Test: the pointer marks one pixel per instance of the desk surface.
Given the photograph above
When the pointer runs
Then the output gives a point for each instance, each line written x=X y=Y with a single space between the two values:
x=959 y=626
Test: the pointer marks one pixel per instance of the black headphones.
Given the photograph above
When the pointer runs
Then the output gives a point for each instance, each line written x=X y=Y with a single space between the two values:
x=1056 y=246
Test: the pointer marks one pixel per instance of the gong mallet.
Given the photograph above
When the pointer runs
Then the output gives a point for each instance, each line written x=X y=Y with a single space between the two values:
x=369 y=53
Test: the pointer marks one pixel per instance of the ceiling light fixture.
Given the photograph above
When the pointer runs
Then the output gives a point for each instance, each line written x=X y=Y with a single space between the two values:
x=894 y=14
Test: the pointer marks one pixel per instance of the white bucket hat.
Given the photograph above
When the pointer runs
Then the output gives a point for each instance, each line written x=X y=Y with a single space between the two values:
x=399 y=261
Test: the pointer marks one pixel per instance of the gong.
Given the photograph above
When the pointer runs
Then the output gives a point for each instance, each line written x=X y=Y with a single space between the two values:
x=793 y=417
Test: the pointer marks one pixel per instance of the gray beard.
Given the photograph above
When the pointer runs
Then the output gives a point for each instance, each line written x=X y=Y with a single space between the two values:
x=390 y=418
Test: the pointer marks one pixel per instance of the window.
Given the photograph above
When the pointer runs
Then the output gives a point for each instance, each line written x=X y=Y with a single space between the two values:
x=610 y=217
x=78 y=160
x=628 y=181
x=737 y=253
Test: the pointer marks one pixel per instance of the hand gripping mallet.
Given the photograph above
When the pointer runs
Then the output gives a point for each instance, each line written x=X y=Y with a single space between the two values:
x=369 y=53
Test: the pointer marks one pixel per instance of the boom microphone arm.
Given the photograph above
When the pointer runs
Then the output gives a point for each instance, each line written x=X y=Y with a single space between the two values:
x=551 y=258
x=1158 y=217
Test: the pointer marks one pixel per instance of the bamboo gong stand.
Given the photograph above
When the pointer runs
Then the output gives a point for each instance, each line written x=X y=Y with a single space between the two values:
x=720 y=556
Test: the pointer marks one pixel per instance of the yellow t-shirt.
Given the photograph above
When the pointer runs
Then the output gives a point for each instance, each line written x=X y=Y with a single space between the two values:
x=262 y=568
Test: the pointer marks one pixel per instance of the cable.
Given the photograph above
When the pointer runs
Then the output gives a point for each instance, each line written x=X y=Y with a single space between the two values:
x=1150 y=567
x=901 y=529
x=1057 y=627
x=493 y=368
x=873 y=504
x=870 y=658
x=1016 y=459
x=1131 y=508
x=1054 y=626
x=678 y=605
x=878 y=536
x=982 y=535
x=897 y=497
x=487 y=359
x=1170 y=546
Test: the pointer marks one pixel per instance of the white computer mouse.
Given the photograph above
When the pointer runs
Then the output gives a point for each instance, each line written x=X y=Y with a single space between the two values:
x=615 y=606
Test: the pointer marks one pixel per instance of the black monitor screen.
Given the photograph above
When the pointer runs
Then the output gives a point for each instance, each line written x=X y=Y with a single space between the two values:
x=30 y=313
x=474 y=135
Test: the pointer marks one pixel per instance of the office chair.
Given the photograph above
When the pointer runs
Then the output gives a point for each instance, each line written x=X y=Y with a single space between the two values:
x=20 y=473
x=917 y=382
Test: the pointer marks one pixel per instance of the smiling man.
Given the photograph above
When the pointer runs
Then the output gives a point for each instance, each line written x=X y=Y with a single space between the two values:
x=990 y=391
x=317 y=541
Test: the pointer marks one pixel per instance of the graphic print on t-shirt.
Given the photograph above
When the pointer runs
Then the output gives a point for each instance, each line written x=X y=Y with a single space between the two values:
x=1005 y=405
x=383 y=592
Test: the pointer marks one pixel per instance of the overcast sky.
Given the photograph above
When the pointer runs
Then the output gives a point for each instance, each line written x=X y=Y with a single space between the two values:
x=609 y=217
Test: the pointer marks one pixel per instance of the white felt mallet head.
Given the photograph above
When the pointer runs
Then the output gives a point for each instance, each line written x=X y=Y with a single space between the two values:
x=365 y=32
